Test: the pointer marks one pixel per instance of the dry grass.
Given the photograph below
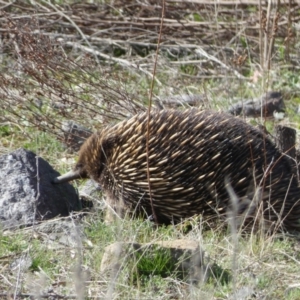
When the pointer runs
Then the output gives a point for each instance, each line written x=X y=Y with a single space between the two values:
x=264 y=267
x=84 y=69
x=94 y=65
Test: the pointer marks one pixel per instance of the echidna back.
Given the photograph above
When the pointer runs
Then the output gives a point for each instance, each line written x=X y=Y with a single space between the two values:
x=191 y=153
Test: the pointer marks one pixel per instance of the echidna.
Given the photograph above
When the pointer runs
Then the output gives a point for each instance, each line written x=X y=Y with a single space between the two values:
x=192 y=156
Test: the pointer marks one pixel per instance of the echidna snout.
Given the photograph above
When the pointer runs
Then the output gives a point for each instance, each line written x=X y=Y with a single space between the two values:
x=89 y=159
x=190 y=154
x=79 y=172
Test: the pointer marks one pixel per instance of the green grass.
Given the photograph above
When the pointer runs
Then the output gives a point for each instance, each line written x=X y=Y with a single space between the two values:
x=12 y=244
x=155 y=263
x=260 y=261
x=267 y=264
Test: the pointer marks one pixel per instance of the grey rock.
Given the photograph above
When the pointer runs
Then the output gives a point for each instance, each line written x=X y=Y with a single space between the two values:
x=27 y=194
x=90 y=192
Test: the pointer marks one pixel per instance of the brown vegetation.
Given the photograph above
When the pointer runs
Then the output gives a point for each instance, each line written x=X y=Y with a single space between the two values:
x=79 y=59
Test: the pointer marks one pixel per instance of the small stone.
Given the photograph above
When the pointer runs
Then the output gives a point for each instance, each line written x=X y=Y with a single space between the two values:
x=27 y=194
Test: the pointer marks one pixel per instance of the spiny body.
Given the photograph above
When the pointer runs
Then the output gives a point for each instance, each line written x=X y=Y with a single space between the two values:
x=191 y=153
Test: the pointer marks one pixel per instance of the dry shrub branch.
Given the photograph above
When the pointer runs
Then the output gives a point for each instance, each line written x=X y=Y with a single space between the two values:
x=75 y=61
x=40 y=85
